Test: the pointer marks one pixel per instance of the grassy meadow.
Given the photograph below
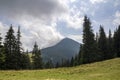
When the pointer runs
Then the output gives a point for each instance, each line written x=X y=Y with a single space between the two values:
x=105 y=70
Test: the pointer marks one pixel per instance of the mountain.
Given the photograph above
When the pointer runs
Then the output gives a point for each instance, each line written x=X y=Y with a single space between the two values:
x=65 y=49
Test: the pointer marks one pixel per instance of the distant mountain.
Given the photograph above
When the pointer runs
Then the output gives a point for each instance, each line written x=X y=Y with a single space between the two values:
x=65 y=49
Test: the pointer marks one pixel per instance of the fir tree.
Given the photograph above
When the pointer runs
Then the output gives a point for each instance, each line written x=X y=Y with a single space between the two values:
x=72 y=62
x=0 y=41
x=102 y=43
x=49 y=64
x=80 y=55
x=89 y=47
x=11 y=60
x=116 y=39
x=25 y=61
x=18 y=48
x=2 y=56
x=110 y=46
x=57 y=65
x=36 y=56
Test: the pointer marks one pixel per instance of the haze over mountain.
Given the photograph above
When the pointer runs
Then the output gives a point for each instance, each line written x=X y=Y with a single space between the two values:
x=65 y=49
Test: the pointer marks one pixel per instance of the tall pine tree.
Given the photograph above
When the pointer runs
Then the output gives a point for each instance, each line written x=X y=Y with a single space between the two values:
x=23 y=58
x=116 y=39
x=88 y=49
x=18 y=48
x=2 y=56
x=10 y=45
x=110 y=46
x=36 y=56
x=102 y=44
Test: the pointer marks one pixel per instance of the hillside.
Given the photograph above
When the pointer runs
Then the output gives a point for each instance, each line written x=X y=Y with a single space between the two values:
x=105 y=70
x=65 y=49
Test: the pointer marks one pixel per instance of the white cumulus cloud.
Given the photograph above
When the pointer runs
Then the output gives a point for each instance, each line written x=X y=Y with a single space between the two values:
x=116 y=20
x=97 y=1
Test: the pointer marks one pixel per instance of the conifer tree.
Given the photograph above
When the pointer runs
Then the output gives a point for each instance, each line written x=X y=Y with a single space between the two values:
x=11 y=60
x=49 y=64
x=36 y=56
x=110 y=46
x=116 y=39
x=0 y=41
x=102 y=43
x=80 y=55
x=18 y=48
x=89 y=47
x=57 y=65
x=72 y=62
x=2 y=56
x=25 y=61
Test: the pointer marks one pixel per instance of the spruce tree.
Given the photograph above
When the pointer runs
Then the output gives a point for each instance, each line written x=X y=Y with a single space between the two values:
x=0 y=41
x=19 y=44
x=49 y=64
x=57 y=65
x=2 y=56
x=11 y=60
x=18 y=48
x=72 y=62
x=89 y=47
x=110 y=46
x=36 y=57
x=116 y=39
x=80 y=55
x=25 y=61
x=102 y=44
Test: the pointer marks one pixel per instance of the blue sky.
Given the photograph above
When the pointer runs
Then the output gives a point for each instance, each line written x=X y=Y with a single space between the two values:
x=49 y=21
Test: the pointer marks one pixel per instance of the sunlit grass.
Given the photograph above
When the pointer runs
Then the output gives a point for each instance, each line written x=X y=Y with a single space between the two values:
x=106 y=70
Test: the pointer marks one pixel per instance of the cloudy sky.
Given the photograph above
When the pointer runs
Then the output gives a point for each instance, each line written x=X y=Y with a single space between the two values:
x=49 y=21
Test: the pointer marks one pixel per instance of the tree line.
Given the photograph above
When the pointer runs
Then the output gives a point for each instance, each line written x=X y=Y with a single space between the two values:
x=95 y=47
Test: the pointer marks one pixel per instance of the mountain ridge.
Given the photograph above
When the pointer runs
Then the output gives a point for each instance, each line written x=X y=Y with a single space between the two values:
x=65 y=49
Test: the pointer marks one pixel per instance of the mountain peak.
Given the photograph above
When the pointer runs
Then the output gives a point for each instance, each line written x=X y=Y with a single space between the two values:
x=67 y=41
x=65 y=49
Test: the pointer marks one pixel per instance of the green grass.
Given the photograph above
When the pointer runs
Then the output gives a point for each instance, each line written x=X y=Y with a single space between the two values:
x=105 y=70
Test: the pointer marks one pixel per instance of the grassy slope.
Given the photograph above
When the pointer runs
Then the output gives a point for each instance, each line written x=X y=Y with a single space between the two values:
x=106 y=70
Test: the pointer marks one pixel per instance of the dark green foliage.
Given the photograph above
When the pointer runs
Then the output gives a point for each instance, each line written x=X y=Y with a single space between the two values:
x=76 y=61
x=19 y=49
x=10 y=45
x=0 y=41
x=89 y=47
x=14 y=57
x=117 y=42
x=36 y=57
x=94 y=48
x=72 y=62
x=49 y=64
x=110 y=46
x=2 y=56
x=65 y=63
x=102 y=43
x=80 y=55
x=25 y=61
x=57 y=65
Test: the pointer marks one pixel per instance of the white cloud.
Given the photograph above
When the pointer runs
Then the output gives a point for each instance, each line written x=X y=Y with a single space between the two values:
x=116 y=20
x=77 y=38
x=73 y=18
x=72 y=0
x=39 y=8
x=97 y=1
x=45 y=35
x=3 y=29
x=36 y=18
